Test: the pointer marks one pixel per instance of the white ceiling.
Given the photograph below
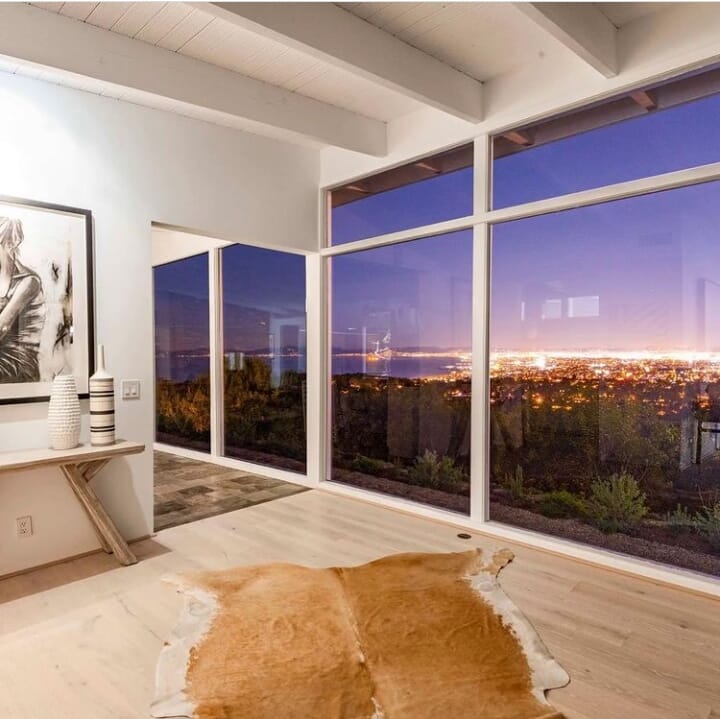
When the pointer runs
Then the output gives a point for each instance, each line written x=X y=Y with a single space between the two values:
x=480 y=41
x=483 y=40
x=621 y=13
x=198 y=34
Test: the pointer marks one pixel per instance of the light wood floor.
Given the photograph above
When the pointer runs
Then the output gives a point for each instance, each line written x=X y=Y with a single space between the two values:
x=80 y=640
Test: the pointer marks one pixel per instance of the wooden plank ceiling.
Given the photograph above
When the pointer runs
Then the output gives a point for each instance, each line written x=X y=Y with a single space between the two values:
x=198 y=34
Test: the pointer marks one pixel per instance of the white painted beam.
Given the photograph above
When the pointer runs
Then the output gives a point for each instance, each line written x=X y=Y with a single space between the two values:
x=582 y=28
x=45 y=39
x=333 y=35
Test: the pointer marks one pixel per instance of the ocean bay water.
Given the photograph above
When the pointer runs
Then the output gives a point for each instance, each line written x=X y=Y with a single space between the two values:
x=182 y=368
x=409 y=367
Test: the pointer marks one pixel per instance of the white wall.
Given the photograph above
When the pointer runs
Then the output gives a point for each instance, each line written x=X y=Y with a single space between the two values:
x=170 y=245
x=130 y=166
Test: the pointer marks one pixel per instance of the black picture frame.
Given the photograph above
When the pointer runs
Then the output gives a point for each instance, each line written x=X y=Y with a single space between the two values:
x=89 y=265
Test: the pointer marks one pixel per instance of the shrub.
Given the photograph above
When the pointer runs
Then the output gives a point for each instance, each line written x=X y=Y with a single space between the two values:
x=616 y=503
x=368 y=465
x=432 y=471
x=562 y=504
x=707 y=523
x=516 y=483
x=680 y=520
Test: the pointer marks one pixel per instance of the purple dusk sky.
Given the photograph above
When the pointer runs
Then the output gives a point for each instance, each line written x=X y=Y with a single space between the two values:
x=642 y=273
x=635 y=274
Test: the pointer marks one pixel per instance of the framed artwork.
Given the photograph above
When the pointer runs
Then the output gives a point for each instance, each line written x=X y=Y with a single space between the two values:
x=46 y=298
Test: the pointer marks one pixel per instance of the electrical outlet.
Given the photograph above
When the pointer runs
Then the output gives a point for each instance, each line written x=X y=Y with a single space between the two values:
x=24 y=526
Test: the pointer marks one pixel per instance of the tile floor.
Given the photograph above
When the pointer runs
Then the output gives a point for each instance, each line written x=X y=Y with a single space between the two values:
x=187 y=490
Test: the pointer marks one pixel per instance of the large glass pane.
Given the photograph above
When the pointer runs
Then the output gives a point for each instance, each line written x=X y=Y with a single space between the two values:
x=182 y=353
x=431 y=190
x=401 y=343
x=605 y=376
x=264 y=354
x=660 y=141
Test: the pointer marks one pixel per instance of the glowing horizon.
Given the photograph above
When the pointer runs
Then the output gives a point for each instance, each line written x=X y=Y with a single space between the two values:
x=677 y=354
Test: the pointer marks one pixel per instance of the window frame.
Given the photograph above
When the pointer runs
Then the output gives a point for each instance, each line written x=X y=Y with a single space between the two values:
x=177 y=449
x=480 y=191
x=216 y=453
x=217 y=366
x=481 y=222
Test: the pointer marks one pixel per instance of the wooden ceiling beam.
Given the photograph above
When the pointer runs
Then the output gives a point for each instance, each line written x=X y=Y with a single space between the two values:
x=427 y=166
x=333 y=35
x=644 y=99
x=518 y=137
x=48 y=40
x=580 y=27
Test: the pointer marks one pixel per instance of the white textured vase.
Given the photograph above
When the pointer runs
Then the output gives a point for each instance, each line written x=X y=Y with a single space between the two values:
x=102 y=404
x=64 y=413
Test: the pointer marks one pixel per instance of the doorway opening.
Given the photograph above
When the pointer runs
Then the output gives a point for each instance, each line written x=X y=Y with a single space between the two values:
x=229 y=375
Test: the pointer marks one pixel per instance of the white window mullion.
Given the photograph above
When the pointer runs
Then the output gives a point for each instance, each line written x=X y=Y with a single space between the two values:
x=315 y=370
x=326 y=360
x=608 y=193
x=217 y=384
x=480 y=408
x=392 y=238
x=482 y=174
x=479 y=424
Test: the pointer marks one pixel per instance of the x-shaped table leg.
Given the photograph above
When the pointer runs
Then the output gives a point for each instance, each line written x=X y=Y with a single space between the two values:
x=78 y=477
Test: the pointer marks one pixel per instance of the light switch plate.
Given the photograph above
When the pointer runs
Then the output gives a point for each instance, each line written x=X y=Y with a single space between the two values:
x=130 y=389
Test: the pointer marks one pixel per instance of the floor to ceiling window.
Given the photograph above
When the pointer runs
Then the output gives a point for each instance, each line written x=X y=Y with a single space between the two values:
x=400 y=337
x=605 y=335
x=182 y=353
x=602 y=319
x=264 y=347
x=603 y=362
x=259 y=401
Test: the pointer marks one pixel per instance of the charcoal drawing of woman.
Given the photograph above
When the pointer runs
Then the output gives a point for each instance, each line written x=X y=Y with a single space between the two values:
x=22 y=310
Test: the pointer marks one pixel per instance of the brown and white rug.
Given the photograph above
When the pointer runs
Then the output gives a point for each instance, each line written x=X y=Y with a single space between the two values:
x=409 y=636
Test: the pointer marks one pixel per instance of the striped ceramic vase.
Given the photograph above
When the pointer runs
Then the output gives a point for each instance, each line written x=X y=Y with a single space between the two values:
x=102 y=404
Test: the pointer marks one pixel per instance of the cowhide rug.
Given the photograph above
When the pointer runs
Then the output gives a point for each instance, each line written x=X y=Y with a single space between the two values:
x=410 y=636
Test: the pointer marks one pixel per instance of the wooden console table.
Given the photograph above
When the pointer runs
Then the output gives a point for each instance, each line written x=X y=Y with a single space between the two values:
x=79 y=466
